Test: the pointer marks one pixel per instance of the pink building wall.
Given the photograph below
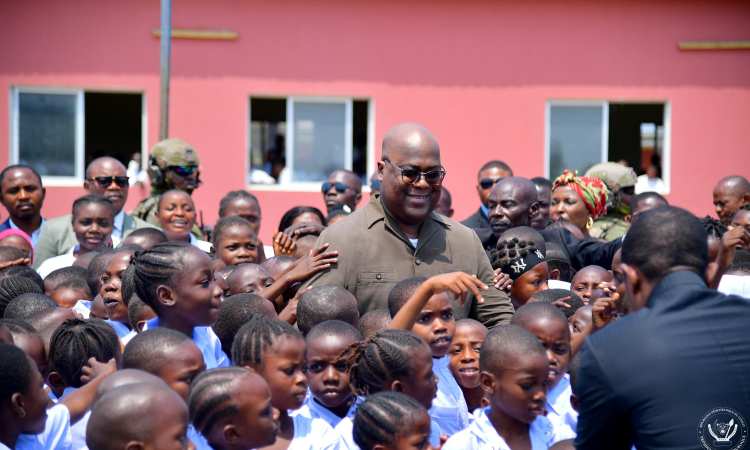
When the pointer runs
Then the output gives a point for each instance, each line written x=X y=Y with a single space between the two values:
x=476 y=73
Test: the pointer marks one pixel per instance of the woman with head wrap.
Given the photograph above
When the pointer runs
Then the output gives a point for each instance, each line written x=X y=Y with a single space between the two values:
x=579 y=200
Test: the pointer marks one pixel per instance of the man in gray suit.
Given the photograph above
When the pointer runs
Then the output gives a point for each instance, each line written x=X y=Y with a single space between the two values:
x=104 y=176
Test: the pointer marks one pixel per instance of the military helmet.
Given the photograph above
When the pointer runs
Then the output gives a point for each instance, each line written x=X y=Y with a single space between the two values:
x=615 y=175
x=167 y=153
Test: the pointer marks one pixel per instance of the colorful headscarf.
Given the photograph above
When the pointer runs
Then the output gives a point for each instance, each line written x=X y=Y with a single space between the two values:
x=592 y=190
x=14 y=232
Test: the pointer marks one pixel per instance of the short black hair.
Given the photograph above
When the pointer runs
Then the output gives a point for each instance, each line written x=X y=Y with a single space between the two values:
x=159 y=265
x=19 y=166
x=636 y=201
x=93 y=198
x=65 y=274
x=235 y=311
x=538 y=311
x=323 y=303
x=18 y=326
x=402 y=292
x=504 y=344
x=740 y=268
x=665 y=238
x=152 y=234
x=542 y=182
x=556 y=259
x=575 y=364
x=496 y=165
x=553 y=295
x=148 y=351
x=334 y=328
x=232 y=195
x=23 y=272
x=381 y=418
x=374 y=321
x=226 y=222
x=255 y=336
x=527 y=234
x=77 y=340
x=137 y=310
x=289 y=216
x=12 y=287
x=745 y=207
x=26 y=305
x=337 y=211
x=741 y=257
x=714 y=228
x=15 y=372
x=75 y=284
x=213 y=395
x=10 y=254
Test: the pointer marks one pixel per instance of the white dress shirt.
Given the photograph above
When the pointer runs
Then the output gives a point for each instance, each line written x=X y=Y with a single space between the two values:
x=449 y=408
x=483 y=435
x=560 y=412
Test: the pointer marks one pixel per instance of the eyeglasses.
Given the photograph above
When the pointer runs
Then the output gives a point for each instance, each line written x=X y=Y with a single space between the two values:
x=486 y=183
x=411 y=176
x=105 y=182
x=184 y=170
x=339 y=185
x=628 y=190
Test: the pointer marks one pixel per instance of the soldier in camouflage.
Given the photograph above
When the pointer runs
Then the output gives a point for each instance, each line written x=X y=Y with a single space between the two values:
x=621 y=183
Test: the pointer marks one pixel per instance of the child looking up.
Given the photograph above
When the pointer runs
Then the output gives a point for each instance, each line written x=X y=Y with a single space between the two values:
x=526 y=266
x=234 y=241
x=177 y=281
x=464 y=364
x=514 y=371
x=276 y=351
x=231 y=407
x=391 y=420
x=111 y=289
x=587 y=279
x=549 y=325
x=423 y=306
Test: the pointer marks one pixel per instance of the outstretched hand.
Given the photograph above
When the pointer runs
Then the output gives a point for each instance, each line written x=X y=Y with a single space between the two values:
x=315 y=261
x=18 y=262
x=289 y=313
x=605 y=309
x=459 y=283
x=283 y=244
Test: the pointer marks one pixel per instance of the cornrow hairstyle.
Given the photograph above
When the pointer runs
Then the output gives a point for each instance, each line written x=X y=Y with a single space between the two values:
x=381 y=418
x=137 y=311
x=402 y=292
x=23 y=272
x=63 y=275
x=26 y=305
x=226 y=222
x=11 y=288
x=385 y=357
x=334 y=328
x=233 y=195
x=77 y=340
x=254 y=338
x=147 y=351
x=157 y=266
x=212 y=397
x=93 y=198
x=552 y=295
x=15 y=372
x=9 y=254
x=236 y=311
x=714 y=228
x=127 y=287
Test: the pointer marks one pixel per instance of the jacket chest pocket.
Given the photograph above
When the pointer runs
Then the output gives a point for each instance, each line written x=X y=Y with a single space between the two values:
x=373 y=287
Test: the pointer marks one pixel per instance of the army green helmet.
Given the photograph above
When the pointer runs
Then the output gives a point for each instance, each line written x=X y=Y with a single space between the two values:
x=167 y=153
x=615 y=175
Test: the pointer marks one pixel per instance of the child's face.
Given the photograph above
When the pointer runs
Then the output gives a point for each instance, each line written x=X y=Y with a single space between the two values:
x=35 y=402
x=436 y=325
x=415 y=434
x=250 y=278
x=222 y=283
x=464 y=354
x=619 y=278
x=285 y=371
x=18 y=242
x=33 y=346
x=580 y=320
x=587 y=280
x=521 y=391
x=185 y=363
x=528 y=284
x=555 y=337
x=93 y=224
x=176 y=213
x=741 y=219
x=257 y=419
x=423 y=385
x=237 y=245
x=329 y=379
x=111 y=291
x=245 y=208
x=67 y=297
x=196 y=295
x=172 y=420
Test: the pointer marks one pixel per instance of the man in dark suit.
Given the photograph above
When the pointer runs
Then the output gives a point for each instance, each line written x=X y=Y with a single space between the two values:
x=488 y=176
x=659 y=377
x=22 y=195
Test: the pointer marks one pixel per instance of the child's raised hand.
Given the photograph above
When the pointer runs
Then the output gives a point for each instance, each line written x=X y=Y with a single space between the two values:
x=314 y=262
x=736 y=236
x=502 y=281
x=459 y=283
x=18 y=262
x=443 y=440
x=94 y=369
x=562 y=303
x=289 y=313
x=604 y=309
x=304 y=228
x=283 y=244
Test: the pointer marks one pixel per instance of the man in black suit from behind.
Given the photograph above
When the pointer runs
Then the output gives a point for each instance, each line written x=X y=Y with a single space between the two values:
x=659 y=377
x=488 y=176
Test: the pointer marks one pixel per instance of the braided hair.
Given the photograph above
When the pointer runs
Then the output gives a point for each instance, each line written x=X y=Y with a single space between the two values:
x=382 y=417
x=77 y=340
x=155 y=267
x=254 y=338
x=508 y=250
x=226 y=222
x=23 y=272
x=385 y=357
x=12 y=287
x=212 y=396
x=714 y=228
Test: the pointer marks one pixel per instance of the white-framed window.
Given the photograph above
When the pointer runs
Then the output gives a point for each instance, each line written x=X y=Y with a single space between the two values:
x=295 y=142
x=58 y=131
x=579 y=134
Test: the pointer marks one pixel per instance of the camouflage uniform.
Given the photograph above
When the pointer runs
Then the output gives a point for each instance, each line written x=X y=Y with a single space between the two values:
x=612 y=225
x=169 y=152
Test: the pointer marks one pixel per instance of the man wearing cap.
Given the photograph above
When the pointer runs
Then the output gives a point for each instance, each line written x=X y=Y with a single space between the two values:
x=621 y=183
x=104 y=176
x=173 y=164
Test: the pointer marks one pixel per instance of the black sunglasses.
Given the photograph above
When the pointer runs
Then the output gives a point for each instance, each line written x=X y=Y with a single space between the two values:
x=340 y=187
x=411 y=176
x=105 y=182
x=487 y=183
x=628 y=190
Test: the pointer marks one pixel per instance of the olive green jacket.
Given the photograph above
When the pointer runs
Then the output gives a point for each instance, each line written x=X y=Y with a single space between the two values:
x=609 y=227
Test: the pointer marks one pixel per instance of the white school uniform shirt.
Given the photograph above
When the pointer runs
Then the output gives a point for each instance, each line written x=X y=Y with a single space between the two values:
x=735 y=285
x=78 y=430
x=314 y=423
x=56 y=435
x=482 y=435
x=121 y=329
x=449 y=408
x=204 y=337
x=83 y=307
x=56 y=262
x=342 y=438
x=560 y=412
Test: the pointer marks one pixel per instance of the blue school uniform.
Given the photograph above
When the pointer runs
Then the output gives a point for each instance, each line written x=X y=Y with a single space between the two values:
x=196 y=438
x=204 y=337
x=56 y=435
x=342 y=439
x=560 y=412
x=314 y=423
x=78 y=430
x=449 y=408
x=482 y=435
x=121 y=329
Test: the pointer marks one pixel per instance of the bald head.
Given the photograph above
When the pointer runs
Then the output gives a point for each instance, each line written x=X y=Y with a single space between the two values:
x=104 y=169
x=125 y=377
x=512 y=203
x=729 y=194
x=410 y=137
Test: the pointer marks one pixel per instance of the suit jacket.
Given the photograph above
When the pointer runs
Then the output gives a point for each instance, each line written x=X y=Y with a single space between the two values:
x=57 y=236
x=583 y=253
x=375 y=254
x=649 y=378
x=477 y=221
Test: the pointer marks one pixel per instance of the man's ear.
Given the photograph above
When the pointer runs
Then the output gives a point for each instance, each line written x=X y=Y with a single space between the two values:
x=554 y=274
x=487 y=381
x=44 y=193
x=629 y=219
x=134 y=445
x=87 y=187
x=164 y=295
x=533 y=211
x=55 y=380
x=397 y=386
x=230 y=434
x=450 y=213
x=634 y=286
x=381 y=169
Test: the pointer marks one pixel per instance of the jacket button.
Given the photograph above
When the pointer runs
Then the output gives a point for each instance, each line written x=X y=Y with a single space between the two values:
x=378 y=276
x=418 y=261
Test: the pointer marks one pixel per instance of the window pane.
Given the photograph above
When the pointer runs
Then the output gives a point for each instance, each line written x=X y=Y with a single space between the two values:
x=47 y=129
x=319 y=140
x=575 y=140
